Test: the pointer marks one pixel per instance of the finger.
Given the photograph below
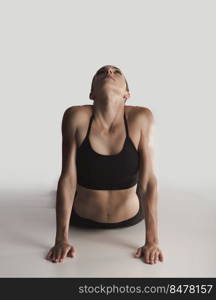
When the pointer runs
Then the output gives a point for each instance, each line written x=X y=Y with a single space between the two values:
x=71 y=252
x=156 y=257
x=151 y=257
x=146 y=256
x=54 y=257
x=59 y=254
x=49 y=255
x=138 y=252
x=161 y=257
x=64 y=253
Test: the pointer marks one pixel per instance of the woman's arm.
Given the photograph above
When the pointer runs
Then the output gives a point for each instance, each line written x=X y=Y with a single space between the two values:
x=147 y=184
x=147 y=190
x=64 y=203
x=68 y=179
x=148 y=198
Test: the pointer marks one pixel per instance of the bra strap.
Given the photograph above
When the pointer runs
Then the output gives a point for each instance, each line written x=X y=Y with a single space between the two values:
x=126 y=126
x=89 y=126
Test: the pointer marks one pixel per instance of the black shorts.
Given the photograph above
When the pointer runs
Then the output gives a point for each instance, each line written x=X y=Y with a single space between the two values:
x=76 y=220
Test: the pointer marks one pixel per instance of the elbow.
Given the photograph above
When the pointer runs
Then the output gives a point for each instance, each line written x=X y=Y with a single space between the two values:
x=148 y=185
x=152 y=183
x=66 y=181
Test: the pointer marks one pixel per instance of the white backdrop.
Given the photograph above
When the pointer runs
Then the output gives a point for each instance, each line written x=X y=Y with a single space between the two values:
x=50 y=51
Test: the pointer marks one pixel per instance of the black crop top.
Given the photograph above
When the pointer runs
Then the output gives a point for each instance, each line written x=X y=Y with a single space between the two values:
x=107 y=172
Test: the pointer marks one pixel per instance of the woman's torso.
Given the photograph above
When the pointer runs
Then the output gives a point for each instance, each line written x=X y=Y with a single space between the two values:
x=107 y=205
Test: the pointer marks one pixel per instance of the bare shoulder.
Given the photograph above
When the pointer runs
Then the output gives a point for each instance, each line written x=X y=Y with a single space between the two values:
x=76 y=110
x=141 y=115
x=76 y=113
x=73 y=117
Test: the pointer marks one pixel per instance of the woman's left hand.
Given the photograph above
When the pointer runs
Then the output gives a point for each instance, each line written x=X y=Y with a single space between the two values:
x=150 y=252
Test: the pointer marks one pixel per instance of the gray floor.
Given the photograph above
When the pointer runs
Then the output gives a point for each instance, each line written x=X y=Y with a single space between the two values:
x=187 y=232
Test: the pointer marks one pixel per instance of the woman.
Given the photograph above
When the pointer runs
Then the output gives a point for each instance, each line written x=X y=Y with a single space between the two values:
x=107 y=177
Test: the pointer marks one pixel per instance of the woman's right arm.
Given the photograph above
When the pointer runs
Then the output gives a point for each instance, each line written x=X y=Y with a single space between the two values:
x=66 y=188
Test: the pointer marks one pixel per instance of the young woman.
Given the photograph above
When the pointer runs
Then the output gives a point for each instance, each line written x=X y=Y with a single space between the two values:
x=107 y=178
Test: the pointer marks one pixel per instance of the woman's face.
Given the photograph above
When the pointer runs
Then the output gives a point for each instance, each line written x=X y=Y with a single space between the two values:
x=110 y=77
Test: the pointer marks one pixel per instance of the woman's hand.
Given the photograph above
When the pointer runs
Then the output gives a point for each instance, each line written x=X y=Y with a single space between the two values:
x=150 y=252
x=60 y=251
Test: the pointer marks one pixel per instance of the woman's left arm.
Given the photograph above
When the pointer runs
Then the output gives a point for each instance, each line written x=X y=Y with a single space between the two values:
x=147 y=188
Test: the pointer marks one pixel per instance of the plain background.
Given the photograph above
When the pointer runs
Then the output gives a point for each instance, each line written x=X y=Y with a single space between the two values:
x=50 y=51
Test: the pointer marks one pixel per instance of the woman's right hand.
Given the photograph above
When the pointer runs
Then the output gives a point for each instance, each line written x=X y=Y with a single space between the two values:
x=59 y=251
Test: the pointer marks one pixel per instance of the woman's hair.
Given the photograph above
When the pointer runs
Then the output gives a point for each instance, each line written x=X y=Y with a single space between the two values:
x=92 y=83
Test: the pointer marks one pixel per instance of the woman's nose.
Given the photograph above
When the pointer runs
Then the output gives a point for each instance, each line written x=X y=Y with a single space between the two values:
x=109 y=70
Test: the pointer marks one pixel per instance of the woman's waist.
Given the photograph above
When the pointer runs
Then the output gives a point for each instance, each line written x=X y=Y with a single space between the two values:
x=106 y=209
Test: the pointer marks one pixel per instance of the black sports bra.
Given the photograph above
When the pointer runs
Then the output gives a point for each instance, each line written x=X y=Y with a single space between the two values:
x=107 y=172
